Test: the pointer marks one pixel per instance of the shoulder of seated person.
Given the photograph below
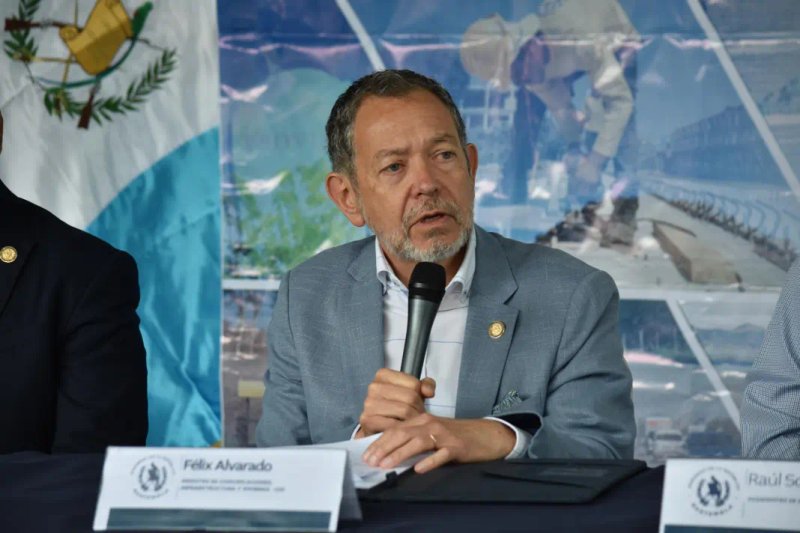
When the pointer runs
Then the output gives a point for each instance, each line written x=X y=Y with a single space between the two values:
x=533 y=258
x=63 y=244
x=332 y=262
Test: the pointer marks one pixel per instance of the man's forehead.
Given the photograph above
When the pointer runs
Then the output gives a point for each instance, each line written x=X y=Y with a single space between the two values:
x=403 y=146
x=377 y=114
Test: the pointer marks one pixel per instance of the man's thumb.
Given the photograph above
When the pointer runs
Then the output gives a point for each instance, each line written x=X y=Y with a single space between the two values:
x=428 y=388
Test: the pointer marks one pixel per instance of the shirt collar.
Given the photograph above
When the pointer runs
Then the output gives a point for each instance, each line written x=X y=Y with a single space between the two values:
x=460 y=283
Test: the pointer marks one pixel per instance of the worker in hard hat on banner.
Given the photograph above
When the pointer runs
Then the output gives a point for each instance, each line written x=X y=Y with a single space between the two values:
x=542 y=55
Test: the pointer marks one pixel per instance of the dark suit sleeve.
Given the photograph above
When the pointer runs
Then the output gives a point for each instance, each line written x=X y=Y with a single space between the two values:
x=589 y=410
x=284 y=420
x=102 y=371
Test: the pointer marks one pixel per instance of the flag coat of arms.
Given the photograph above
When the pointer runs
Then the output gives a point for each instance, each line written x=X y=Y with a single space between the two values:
x=112 y=124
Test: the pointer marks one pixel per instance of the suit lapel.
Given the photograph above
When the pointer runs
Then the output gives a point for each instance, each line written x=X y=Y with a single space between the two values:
x=11 y=234
x=9 y=272
x=483 y=358
x=362 y=314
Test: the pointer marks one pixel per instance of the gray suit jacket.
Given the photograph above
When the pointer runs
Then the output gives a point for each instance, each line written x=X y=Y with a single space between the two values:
x=558 y=371
x=771 y=406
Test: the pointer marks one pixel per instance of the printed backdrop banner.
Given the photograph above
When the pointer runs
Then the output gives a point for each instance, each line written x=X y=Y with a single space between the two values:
x=113 y=125
x=655 y=140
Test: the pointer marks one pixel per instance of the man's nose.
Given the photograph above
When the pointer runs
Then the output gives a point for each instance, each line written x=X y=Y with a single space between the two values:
x=424 y=176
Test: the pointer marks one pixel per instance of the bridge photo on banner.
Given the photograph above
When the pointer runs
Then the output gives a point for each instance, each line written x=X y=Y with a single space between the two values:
x=693 y=106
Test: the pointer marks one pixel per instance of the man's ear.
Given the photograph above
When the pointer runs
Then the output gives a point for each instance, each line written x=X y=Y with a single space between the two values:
x=344 y=195
x=472 y=160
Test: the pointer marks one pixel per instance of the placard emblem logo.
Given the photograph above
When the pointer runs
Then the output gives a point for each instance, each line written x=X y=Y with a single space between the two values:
x=152 y=476
x=713 y=491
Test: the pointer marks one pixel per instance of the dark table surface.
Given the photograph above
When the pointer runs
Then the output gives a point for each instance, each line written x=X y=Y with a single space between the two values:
x=58 y=493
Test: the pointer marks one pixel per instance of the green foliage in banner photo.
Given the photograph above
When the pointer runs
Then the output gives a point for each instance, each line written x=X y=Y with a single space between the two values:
x=300 y=222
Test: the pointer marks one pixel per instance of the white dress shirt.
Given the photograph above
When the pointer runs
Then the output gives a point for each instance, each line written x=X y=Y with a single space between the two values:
x=443 y=357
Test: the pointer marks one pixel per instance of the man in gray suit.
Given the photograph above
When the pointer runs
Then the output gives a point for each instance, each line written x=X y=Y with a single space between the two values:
x=525 y=357
x=771 y=405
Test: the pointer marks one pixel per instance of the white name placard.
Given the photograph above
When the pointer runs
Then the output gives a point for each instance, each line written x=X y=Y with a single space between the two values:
x=734 y=494
x=222 y=489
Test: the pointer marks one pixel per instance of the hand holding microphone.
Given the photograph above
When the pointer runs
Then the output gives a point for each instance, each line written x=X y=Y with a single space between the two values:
x=395 y=402
x=393 y=396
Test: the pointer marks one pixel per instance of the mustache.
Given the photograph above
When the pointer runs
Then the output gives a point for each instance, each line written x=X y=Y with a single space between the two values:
x=435 y=204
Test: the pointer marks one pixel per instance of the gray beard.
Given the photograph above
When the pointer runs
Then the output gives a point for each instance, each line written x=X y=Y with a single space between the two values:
x=399 y=243
x=438 y=252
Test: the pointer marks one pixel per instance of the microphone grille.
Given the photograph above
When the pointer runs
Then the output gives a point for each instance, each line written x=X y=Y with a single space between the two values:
x=427 y=282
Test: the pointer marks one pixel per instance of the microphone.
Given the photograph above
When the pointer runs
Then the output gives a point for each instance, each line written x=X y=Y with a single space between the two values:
x=425 y=293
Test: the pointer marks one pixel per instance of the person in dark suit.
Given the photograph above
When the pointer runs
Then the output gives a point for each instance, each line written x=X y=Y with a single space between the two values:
x=74 y=374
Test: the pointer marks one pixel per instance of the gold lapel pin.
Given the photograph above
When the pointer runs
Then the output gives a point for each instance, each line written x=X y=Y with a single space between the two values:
x=8 y=254
x=497 y=329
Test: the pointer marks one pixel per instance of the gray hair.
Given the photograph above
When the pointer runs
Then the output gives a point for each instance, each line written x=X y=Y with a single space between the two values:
x=386 y=83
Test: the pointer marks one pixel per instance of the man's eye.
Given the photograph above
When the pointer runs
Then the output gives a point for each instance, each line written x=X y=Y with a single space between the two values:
x=394 y=167
x=447 y=155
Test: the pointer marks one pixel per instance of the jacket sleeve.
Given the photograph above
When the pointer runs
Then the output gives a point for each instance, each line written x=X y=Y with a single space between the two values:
x=588 y=411
x=284 y=421
x=771 y=406
x=101 y=397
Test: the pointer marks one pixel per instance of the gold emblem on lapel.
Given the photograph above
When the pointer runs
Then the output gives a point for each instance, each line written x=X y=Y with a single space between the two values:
x=497 y=329
x=8 y=254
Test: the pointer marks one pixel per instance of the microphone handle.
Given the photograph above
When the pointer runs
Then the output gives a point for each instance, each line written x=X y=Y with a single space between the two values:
x=420 y=320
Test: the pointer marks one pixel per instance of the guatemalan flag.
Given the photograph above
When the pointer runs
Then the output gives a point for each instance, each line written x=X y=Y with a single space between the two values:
x=112 y=123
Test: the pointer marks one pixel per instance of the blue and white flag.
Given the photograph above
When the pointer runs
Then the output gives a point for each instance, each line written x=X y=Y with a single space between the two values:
x=112 y=123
